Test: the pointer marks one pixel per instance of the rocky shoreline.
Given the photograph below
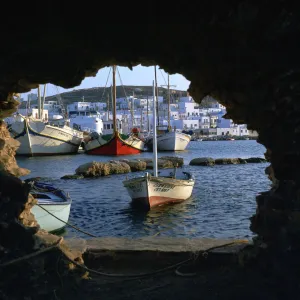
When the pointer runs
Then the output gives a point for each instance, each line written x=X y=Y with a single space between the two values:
x=123 y=166
x=208 y=161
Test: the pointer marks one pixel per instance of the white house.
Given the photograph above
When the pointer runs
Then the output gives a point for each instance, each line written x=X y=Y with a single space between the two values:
x=204 y=122
x=187 y=109
x=186 y=99
x=185 y=124
x=224 y=123
x=86 y=106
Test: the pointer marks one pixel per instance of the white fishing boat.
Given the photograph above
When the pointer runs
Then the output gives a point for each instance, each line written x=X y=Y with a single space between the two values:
x=163 y=187
x=168 y=138
x=37 y=138
x=171 y=141
x=53 y=200
x=149 y=191
x=89 y=121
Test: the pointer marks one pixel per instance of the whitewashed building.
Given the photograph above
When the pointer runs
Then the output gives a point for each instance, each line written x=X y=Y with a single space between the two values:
x=86 y=106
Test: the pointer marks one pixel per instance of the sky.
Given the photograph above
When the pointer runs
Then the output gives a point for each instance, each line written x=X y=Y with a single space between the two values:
x=138 y=76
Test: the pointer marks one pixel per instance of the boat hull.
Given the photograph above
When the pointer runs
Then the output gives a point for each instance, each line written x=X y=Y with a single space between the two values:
x=38 y=139
x=172 y=141
x=48 y=222
x=115 y=146
x=149 y=191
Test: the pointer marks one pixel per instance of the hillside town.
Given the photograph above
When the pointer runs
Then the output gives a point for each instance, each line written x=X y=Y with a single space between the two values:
x=202 y=121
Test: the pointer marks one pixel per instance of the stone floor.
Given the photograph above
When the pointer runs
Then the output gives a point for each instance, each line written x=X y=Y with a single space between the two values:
x=213 y=274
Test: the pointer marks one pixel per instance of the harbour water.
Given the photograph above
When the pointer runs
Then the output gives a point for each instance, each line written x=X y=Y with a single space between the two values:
x=222 y=202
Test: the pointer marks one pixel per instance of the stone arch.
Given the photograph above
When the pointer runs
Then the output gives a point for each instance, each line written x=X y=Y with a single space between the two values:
x=244 y=54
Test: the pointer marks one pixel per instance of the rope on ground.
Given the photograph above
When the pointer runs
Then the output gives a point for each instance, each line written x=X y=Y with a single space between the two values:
x=20 y=259
x=132 y=276
x=205 y=255
x=137 y=276
x=67 y=223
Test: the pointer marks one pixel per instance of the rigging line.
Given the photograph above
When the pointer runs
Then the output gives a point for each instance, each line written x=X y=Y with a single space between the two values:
x=105 y=85
x=122 y=83
x=163 y=76
x=67 y=223
x=60 y=100
x=124 y=91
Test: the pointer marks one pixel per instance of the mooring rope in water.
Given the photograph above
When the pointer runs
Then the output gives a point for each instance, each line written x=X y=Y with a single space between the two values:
x=67 y=223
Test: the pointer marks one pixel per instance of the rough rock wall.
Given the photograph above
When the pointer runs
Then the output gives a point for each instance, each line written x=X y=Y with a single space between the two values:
x=244 y=53
x=8 y=147
x=20 y=236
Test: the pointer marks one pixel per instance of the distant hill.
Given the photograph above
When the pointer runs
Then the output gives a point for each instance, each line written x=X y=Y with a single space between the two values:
x=100 y=94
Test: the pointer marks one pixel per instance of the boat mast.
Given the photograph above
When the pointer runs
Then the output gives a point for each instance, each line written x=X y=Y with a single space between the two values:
x=107 y=115
x=156 y=89
x=148 y=125
x=132 y=110
x=39 y=101
x=114 y=95
x=43 y=102
x=111 y=100
x=169 y=102
x=27 y=106
x=141 y=119
x=154 y=134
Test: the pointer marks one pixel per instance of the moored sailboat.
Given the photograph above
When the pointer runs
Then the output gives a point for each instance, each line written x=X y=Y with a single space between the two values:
x=170 y=139
x=37 y=138
x=163 y=187
x=115 y=143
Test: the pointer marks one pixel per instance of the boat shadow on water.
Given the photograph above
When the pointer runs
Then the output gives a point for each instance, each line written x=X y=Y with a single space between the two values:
x=159 y=218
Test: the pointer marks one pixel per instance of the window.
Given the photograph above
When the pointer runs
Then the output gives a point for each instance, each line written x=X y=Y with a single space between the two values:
x=108 y=126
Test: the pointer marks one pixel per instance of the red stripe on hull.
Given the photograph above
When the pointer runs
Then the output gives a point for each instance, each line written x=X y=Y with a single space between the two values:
x=114 y=147
x=155 y=201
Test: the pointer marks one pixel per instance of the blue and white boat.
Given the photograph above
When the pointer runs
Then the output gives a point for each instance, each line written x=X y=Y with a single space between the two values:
x=53 y=205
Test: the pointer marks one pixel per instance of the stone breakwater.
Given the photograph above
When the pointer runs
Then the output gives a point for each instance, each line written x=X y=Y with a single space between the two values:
x=208 y=161
x=98 y=169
